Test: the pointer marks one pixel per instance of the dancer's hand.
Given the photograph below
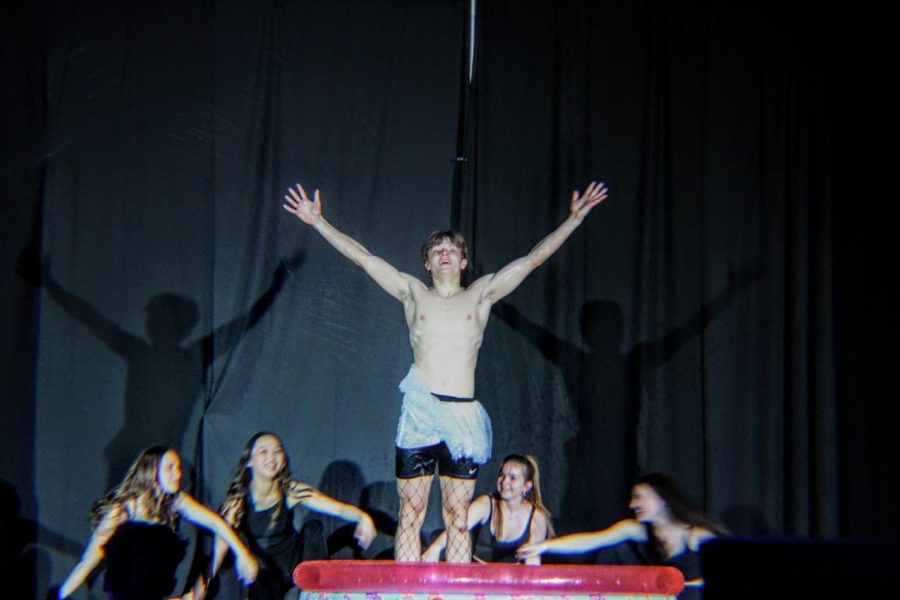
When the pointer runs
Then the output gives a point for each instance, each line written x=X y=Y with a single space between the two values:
x=247 y=568
x=365 y=531
x=581 y=204
x=298 y=204
x=530 y=550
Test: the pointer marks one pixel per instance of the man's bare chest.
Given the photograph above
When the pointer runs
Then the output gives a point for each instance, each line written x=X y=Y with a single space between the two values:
x=446 y=316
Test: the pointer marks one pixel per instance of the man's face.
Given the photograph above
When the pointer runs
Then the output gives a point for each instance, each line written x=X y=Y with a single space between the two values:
x=445 y=258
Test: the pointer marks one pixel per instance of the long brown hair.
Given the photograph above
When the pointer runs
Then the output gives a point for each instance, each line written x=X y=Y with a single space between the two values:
x=238 y=495
x=531 y=473
x=140 y=487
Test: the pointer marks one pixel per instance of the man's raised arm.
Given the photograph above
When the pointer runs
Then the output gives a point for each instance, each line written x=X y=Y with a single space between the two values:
x=309 y=211
x=509 y=277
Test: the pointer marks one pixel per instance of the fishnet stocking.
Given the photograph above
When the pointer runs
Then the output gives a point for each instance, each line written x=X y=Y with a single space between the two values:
x=413 y=504
x=456 y=494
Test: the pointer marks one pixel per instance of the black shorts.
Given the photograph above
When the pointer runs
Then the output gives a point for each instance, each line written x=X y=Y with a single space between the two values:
x=418 y=462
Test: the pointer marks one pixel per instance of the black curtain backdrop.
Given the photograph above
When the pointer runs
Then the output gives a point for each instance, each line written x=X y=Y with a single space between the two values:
x=724 y=317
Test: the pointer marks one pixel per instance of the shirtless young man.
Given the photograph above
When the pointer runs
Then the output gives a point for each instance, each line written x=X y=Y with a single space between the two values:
x=440 y=422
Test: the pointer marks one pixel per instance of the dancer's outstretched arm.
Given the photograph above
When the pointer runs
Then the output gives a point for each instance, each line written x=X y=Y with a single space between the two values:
x=385 y=275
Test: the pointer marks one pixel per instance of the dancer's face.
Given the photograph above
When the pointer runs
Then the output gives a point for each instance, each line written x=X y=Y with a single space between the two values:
x=511 y=483
x=168 y=474
x=445 y=258
x=646 y=503
x=266 y=457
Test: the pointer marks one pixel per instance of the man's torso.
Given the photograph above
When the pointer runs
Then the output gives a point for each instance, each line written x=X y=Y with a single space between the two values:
x=445 y=335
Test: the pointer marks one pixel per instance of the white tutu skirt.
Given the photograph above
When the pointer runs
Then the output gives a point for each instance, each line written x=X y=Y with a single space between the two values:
x=425 y=421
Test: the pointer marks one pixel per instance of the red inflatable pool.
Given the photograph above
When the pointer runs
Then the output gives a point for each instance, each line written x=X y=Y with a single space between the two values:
x=390 y=580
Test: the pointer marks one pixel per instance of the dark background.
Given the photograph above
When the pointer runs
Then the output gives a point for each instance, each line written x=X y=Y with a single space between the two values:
x=727 y=316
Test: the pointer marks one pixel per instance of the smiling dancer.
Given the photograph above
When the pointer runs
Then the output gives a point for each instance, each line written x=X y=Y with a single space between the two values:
x=260 y=504
x=512 y=516
x=134 y=528
x=666 y=528
x=442 y=427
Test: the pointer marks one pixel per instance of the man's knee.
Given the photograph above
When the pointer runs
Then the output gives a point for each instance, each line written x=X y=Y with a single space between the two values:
x=455 y=522
x=413 y=507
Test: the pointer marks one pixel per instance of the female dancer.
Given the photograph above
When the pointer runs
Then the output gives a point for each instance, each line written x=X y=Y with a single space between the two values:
x=668 y=530
x=259 y=505
x=134 y=527
x=510 y=517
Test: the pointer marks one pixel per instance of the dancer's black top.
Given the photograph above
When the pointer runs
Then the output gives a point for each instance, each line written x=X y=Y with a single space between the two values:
x=141 y=560
x=489 y=549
